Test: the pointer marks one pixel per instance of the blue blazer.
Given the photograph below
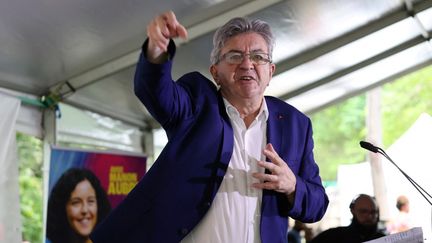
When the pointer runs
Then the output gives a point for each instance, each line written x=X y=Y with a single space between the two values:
x=174 y=195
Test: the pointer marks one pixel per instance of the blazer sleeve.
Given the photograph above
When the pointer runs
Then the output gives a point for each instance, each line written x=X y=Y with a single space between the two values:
x=311 y=201
x=166 y=100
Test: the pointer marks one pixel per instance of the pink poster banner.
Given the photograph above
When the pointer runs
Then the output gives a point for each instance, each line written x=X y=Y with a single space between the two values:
x=117 y=172
x=84 y=186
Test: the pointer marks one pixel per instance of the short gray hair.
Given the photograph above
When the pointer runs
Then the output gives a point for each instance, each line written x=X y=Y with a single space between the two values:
x=239 y=26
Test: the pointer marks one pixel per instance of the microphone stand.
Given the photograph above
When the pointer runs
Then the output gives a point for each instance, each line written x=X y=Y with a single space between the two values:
x=376 y=149
x=420 y=189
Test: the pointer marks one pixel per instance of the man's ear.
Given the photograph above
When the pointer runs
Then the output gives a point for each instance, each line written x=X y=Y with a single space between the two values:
x=271 y=72
x=214 y=73
x=272 y=69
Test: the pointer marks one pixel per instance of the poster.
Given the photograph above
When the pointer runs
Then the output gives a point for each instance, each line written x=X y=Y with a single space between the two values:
x=115 y=174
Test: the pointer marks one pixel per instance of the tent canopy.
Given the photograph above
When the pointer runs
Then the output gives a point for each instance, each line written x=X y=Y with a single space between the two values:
x=326 y=51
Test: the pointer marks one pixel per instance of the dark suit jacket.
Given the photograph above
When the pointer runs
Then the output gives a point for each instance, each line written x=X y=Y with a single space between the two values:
x=354 y=233
x=179 y=188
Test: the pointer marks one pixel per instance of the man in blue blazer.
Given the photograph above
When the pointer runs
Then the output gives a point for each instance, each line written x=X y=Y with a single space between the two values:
x=236 y=165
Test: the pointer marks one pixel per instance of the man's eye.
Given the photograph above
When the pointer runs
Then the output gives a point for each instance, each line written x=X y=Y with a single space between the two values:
x=236 y=57
x=258 y=57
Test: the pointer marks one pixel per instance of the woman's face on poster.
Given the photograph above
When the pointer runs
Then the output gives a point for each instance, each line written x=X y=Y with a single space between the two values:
x=81 y=209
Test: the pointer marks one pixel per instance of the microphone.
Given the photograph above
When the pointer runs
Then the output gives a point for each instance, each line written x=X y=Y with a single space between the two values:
x=368 y=146
x=375 y=149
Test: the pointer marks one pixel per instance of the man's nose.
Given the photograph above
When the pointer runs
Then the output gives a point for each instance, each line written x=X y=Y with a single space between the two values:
x=247 y=62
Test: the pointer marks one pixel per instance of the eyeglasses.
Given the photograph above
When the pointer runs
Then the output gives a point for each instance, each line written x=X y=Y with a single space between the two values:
x=258 y=58
x=367 y=211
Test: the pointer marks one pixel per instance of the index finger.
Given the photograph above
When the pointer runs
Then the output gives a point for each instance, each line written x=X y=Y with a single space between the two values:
x=271 y=153
x=174 y=25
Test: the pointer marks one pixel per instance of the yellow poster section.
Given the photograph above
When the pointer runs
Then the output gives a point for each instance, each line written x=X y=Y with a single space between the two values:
x=120 y=182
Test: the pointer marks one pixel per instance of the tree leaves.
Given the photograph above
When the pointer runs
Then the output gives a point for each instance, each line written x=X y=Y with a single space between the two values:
x=30 y=180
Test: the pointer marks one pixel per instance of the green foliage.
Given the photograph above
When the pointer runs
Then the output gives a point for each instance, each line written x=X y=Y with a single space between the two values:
x=403 y=101
x=339 y=128
x=337 y=131
x=30 y=180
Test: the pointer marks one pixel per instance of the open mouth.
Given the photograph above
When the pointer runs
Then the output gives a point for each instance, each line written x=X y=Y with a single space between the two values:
x=246 y=78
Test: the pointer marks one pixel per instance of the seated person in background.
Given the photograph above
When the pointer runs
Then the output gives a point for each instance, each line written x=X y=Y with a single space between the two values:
x=402 y=221
x=364 y=225
x=294 y=234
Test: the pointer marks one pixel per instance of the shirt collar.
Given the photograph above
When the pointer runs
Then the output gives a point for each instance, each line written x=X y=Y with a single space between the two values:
x=233 y=112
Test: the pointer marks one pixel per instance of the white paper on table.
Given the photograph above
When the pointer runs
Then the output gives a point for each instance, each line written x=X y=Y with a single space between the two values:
x=414 y=235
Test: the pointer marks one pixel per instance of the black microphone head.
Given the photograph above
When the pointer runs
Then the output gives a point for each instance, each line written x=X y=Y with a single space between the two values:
x=368 y=146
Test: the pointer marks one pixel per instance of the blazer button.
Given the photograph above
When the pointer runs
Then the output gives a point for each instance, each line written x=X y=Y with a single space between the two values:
x=184 y=231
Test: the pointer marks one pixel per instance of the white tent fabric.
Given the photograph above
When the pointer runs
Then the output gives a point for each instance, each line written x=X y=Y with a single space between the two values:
x=352 y=179
x=88 y=128
x=412 y=153
x=29 y=118
x=10 y=222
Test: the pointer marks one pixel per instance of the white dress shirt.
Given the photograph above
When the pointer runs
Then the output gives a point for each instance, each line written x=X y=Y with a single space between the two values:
x=235 y=214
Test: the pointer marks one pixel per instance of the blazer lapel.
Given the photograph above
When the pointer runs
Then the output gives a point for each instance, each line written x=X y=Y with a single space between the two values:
x=275 y=134
x=275 y=128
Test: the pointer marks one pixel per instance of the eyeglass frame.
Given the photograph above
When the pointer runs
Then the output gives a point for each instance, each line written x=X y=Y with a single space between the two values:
x=266 y=59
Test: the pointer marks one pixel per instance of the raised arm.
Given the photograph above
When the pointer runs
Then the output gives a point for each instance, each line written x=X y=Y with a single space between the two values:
x=160 y=30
